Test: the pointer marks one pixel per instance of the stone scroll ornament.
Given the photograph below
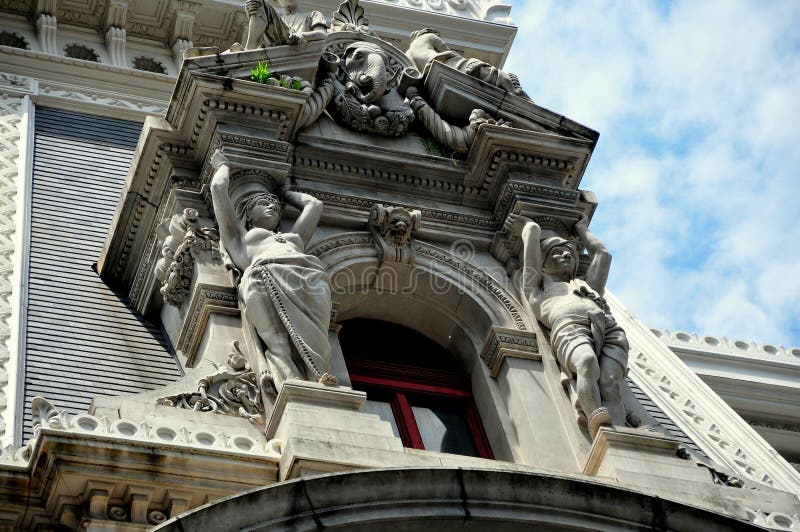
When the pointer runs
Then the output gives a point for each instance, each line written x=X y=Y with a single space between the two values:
x=591 y=348
x=231 y=390
x=392 y=229
x=458 y=139
x=284 y=293
x=186 y=243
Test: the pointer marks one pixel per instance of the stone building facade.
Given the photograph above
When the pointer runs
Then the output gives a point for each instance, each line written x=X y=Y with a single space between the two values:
x=332 y=295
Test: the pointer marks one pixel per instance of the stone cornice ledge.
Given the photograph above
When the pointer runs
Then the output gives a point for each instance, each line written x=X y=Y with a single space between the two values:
x=722 y=347
x=89 y=87
x=692 y=405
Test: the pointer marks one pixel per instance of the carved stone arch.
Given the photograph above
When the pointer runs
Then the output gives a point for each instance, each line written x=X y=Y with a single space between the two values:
x=445 y=297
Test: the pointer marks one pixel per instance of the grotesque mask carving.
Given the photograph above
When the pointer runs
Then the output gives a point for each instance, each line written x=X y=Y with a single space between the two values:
x=392 y=228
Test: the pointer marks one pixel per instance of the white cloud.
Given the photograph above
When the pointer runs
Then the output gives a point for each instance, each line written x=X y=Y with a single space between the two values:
x=697 y=168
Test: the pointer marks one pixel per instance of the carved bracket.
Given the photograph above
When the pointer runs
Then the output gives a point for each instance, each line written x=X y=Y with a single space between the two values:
x=503 y=343
x=392 y=229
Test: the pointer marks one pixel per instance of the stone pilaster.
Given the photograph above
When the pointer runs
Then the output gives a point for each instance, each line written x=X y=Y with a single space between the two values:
x=16 y=151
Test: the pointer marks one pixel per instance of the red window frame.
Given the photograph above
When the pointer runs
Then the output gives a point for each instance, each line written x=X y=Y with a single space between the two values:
x=401 y=385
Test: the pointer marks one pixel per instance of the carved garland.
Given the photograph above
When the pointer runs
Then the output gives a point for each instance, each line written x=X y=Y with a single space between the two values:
x=176 y=268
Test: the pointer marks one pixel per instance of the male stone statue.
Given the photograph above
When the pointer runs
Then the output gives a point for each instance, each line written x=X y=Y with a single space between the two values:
x=591 y=348
x=427 y=46
x=266 y=28
x=284 y=292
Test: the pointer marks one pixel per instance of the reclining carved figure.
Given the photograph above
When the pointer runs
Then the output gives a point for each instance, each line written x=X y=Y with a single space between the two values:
x=427 y=46
x=266 y=28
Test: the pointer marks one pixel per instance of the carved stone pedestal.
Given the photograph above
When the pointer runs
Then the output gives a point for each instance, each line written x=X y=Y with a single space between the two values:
x=322 y=429
x=640 y=458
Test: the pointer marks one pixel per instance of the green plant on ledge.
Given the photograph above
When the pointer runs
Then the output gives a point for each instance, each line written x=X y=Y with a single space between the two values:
x=260 y=73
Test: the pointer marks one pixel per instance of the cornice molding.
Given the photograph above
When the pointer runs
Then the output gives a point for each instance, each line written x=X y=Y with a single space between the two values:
x=720 y=345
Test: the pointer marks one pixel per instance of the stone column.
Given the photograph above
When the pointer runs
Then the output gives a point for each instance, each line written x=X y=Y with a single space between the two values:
x=16 y=158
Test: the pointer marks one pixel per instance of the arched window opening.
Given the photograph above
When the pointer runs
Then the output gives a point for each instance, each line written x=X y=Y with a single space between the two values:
x=415 y=385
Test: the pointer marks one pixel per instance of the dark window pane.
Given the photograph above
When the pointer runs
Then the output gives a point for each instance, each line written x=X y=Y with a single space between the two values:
x=444 y=431
x=384 y=411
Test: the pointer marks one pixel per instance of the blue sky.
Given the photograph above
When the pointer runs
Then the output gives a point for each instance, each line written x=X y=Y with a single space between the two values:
x=698 y=165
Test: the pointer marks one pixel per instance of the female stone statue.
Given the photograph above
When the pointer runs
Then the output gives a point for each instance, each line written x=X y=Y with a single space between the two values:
x=590 y=347
x=284 y=292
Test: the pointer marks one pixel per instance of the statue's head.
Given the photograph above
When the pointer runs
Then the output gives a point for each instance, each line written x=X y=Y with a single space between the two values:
x=261 y=209
x=366 y=66
x=559 y=257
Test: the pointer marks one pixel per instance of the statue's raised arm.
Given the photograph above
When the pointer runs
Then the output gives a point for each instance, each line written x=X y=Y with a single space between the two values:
x=230 y=228
x=597 y=275
x=310 y=211
x=531 y=257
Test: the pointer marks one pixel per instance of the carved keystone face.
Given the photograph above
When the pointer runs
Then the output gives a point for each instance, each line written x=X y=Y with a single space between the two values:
x=398 y=228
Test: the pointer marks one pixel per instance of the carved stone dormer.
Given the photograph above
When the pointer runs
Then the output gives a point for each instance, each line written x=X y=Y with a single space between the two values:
x=392 y=229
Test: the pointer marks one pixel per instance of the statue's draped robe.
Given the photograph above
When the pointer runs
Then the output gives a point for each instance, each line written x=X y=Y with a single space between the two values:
x=295 y=286
x=576 y=320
